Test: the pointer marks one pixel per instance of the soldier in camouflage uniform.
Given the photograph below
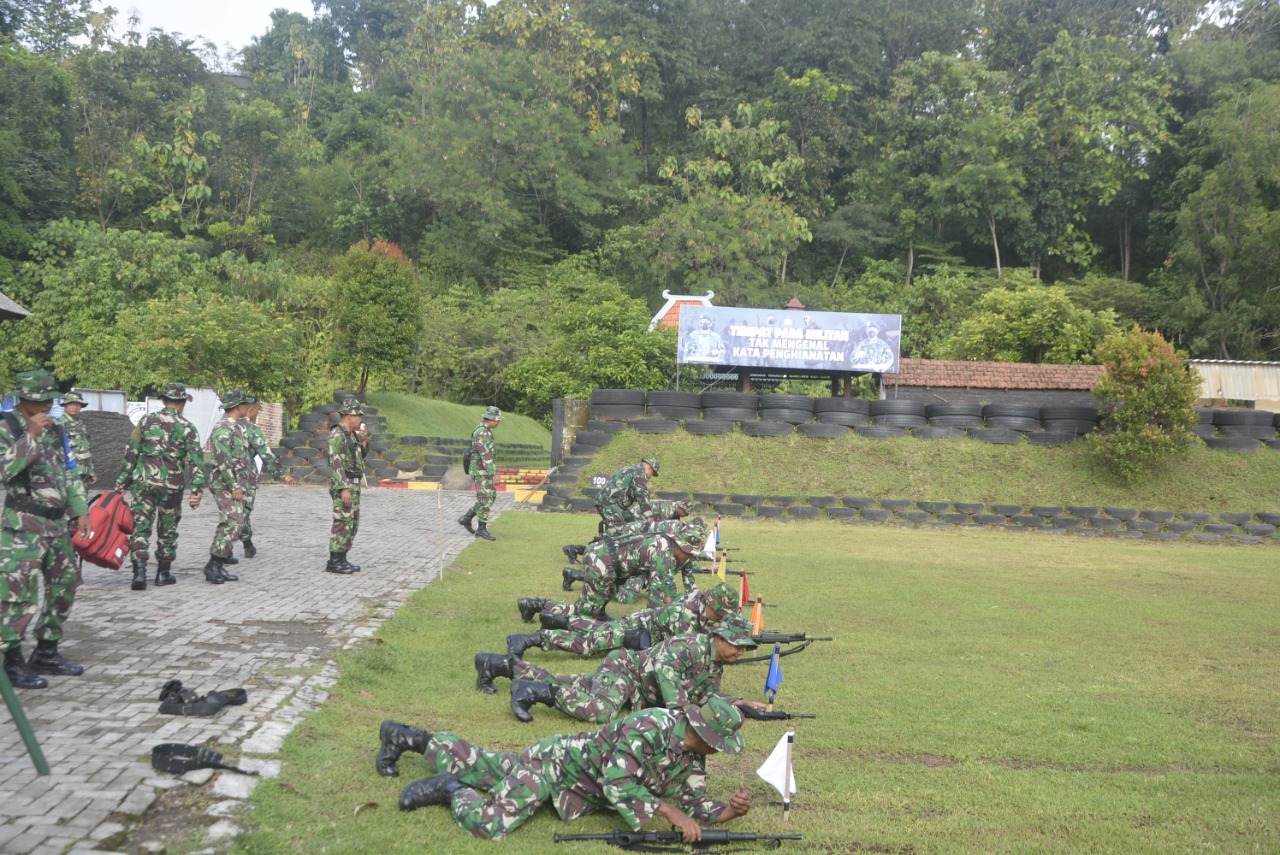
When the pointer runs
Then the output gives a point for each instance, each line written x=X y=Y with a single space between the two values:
x=660 y=510
x=348 y=445
x=78 y=436
x=42 y=487
x=229 y=478
x=260 y=448
x=625 y=497
x=484 y=468
x=162 y=455
x=637 y=631
x=630 y=590
x=679 y=671
x=649 y=764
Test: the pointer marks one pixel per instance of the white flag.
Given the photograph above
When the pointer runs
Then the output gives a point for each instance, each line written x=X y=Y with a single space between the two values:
x=712 y=539
x=776 y=771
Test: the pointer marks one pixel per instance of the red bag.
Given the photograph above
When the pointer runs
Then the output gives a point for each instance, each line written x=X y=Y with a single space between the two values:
x=110 y=524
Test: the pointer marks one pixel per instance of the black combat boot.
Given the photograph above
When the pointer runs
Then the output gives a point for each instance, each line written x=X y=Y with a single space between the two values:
x=490 y=665
x=526 y=693
x=249 y=549
x=222 y=568
x=518 y=643
x=355 y=568
x=569 y=575
x=465 y=521
x=163 y=576
x=530 y=606
x=213 y=571
x=46 y=659
x=18 y=672
x=338 y=565
x=231 y=559
x=636 y=639
x=483 y=531
x=396 y=739
x=139 y=582
x=572 y=552
x=553 y=621
x=436 y=790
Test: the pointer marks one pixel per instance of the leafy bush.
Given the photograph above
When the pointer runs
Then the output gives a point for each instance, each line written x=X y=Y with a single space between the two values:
x=1146 y=393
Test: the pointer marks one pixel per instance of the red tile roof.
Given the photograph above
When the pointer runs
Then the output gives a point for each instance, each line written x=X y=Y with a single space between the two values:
x=935 y=373
x=671 y=318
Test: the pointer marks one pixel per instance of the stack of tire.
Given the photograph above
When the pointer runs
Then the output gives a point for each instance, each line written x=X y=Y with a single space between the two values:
x=1006 y=423
x=950 y=419
x=305 y=450
x=1204 y=423
x=617 y=405
x=1241 y=430
x=108 y=437
x=779 y=415
x=1063 y=424
x=722 y=411
x=666 y=410
x=892 y=418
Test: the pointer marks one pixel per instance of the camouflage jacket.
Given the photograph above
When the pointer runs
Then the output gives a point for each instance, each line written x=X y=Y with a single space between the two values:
x=628 y=487
x=163 y=450
x=682 y=617
x=650 y=555
x=678 y=672
x=259 y=447
x=631 y=765
x=230 y=465
x=36 y=475
x=346 y=459
x=78 y=436
x=483 y=456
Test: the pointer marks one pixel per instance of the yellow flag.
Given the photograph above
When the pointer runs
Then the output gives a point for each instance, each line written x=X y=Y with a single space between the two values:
x=720 y=571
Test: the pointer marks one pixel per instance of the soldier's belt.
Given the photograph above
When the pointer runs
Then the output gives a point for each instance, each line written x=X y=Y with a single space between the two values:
x=27 y=506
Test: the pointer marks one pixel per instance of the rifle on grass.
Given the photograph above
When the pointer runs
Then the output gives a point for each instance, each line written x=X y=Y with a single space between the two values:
x=773 y=715
x=705 y=570
x=799 y=639
x=672 y=841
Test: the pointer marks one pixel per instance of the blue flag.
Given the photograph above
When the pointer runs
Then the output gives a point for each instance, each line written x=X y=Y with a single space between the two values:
x=774 y=679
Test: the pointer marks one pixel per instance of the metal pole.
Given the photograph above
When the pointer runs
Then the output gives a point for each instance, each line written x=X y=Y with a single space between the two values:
x=24 y=726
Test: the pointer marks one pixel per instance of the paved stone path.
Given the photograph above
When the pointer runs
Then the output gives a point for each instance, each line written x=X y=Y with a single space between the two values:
x=275 y=632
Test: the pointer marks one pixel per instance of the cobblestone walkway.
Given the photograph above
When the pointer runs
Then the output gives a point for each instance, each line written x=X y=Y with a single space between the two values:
x=275 y=632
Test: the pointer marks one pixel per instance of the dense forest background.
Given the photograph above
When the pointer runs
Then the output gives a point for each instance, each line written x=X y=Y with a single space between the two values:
x=484 y=203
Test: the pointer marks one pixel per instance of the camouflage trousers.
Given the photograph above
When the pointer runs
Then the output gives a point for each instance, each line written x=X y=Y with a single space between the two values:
x=230 y=518
x=587 y=637
x=598 y=696
x=599 y=584
x=164 y=509
x=516 y=784
x=24 y=557
x=486 y=494
x=246 y=530
x=615 y=517
x=346 y=521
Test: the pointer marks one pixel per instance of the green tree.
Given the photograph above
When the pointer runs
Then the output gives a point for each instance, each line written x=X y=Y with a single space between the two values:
x=377 y=311
x=1146 y=393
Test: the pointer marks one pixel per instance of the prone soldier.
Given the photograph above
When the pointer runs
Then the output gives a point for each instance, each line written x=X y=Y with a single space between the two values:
x=260 y=448
x=660 y=510
x=229 y=468
x=41 y=487
x=625 y=497
x=162 y=454
x=484 y=468
x=645 y=765
x=348 y=445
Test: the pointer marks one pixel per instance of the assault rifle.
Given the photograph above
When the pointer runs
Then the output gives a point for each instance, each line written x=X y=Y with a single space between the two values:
x=713 y=570
x=787 y=638
x=672 y=841
x=773 y=715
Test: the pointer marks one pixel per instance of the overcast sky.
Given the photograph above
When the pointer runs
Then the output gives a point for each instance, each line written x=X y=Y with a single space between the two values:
x=221 y=22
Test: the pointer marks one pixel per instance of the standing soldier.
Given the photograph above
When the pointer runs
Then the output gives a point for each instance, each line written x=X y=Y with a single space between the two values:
x=163 y=453
x=484 y=469
x=348 y=445
x=644 y=766
x=41 y=487
x=78 y=436
x=229 y=467
x=625 y=497
x=258 y=447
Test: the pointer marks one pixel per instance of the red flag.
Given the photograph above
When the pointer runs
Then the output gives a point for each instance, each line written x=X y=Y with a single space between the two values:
x=746 y=592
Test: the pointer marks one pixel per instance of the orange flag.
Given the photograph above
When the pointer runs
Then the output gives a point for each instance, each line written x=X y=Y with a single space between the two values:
x=757 y=617
x=746 y=592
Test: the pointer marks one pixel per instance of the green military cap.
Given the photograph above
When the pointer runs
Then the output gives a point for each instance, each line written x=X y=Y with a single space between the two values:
x=734 y=629
x=722 y=598
x=690 y=538
x=176 y=392
x=72 y=397
x=37 y=385
x=653 y=463
x=681 y=508
x=717 y=722
x=350 y=407
x=232 y=398
x=493 y=414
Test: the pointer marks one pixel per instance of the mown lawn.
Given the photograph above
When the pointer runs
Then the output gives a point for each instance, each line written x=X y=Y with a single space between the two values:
x=986 y=692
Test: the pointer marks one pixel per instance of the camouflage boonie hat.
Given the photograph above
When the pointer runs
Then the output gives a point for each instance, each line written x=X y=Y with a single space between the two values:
x=72 y=397
x=37 y=385
x=681 y=508
x=689 y=538
x=176 y=392
x=722 y=598
x=653 y=463
x=734 y=629
x=493 y=414
x=717 y=722
x=232 y=398
x=350 y=407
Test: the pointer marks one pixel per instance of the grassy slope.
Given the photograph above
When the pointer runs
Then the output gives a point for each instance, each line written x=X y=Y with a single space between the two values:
x=986 y=692
x=962 y=470
x=410 y=415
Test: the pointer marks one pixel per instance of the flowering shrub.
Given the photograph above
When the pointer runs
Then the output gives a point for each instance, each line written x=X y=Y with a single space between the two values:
x=1145 y=393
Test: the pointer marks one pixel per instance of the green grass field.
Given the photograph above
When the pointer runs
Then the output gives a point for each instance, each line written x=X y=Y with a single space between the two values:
x=412 y=415
x=986 y=692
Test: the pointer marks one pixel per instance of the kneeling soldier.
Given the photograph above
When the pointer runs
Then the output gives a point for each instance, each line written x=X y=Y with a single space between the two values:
x=645 y=765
